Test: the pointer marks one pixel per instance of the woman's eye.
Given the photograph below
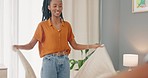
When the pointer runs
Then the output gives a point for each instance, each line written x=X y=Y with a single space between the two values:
x=54 y=6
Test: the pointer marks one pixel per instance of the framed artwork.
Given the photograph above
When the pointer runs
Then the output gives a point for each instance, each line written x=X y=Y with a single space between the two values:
x=139 y=6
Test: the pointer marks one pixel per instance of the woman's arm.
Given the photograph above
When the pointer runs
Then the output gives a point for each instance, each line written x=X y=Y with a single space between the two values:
x=76 y=46
x=28 y=46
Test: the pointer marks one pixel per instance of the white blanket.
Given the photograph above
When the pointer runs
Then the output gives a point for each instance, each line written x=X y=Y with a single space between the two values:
x=99 y=65
x=29 y=73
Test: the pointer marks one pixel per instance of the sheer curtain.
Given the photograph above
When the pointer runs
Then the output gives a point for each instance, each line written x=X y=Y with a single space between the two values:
x=84 y=18
x=1 y=32
x=7 y=35
x=30 y=14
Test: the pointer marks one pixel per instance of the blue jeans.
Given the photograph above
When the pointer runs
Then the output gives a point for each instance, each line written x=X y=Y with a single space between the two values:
x=55 y=67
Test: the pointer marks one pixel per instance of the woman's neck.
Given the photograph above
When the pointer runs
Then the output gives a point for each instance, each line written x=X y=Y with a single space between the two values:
x=56 y=20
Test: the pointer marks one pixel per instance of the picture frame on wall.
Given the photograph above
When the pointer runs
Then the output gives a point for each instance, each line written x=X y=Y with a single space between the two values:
x=139 y=6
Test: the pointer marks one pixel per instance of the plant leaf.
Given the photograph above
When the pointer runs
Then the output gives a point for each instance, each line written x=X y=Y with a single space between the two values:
x=86 y=51
x=81 y=52
x=72 y=63
x=80 y=63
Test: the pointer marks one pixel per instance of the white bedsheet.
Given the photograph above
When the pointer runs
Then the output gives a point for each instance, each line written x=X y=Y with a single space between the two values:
x=99 y=65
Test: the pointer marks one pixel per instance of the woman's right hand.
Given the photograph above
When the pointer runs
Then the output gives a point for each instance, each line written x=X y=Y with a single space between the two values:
x=15 y=47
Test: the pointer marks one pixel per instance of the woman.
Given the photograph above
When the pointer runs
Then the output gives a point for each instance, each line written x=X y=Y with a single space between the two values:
x=53 y=35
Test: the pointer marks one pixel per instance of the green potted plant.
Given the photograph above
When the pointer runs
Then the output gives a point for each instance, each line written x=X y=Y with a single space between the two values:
x=74 y=62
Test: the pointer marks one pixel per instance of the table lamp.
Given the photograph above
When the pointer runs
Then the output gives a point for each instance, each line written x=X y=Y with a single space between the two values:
x=130 y=60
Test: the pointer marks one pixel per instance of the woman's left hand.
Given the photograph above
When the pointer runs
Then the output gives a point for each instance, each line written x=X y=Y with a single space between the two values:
x=98 y=45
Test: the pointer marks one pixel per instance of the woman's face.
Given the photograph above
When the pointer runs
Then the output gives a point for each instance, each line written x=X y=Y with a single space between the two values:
x=56 y=7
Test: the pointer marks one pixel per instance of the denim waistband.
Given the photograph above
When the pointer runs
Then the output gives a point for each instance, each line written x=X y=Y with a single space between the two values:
x=60 y=53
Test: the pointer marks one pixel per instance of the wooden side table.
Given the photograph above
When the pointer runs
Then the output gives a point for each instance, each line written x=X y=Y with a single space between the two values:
x=3 y=72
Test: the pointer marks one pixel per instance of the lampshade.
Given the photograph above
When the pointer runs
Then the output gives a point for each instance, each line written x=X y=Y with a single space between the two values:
x=130 y=60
